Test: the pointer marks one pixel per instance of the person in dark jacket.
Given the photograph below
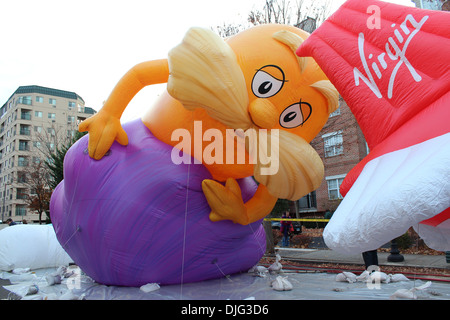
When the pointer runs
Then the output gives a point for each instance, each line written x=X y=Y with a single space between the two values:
x=285 y=229
x=10 y=222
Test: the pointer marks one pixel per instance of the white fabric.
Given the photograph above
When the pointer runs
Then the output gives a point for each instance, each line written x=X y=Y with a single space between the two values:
x=437 y=237
x=30 y=246
x=394 y=192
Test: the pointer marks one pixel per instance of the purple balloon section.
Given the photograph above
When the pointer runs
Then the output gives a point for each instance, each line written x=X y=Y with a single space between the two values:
x=134 y=217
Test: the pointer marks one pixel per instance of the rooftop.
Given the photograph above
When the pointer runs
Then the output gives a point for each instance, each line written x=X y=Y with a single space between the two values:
x=47 y=91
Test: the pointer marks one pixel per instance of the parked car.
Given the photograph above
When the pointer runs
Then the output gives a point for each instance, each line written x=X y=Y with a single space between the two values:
x=297 y=227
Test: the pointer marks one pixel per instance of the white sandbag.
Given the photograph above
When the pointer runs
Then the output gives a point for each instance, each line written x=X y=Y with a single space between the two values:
x=363 y=276
x=276 y=266
x=398 y=277
x=346 y=277
x=378 y=277
x=281 y=284
x=259 y=271
x=409 y=293
x=31 y=246
x=21 y=270
x=149 y=287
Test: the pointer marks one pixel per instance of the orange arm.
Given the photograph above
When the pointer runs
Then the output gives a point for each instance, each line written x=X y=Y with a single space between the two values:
x=104 y=127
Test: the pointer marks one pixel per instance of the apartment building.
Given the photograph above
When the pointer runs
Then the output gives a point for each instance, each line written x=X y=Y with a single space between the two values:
x=33 y=119
x=341 y=145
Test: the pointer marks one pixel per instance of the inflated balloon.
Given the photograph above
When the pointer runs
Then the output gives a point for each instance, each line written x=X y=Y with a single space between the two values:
x=170 y=197
x=390 y=64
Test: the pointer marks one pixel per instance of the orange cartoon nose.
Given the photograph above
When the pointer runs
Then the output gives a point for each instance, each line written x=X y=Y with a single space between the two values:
x=263 y=113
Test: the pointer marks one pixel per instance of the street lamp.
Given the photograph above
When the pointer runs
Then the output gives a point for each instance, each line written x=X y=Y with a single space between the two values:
x=4 y=201
x=395 y=255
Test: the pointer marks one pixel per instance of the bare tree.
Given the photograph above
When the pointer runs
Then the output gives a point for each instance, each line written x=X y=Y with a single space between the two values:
x=226 y=30
x=36 y=180
x=290 y=12
x=54 y=137
x=299 y=13
x=37 y=192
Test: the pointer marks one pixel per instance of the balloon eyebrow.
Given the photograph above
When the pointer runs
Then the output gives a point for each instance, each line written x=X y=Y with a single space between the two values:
x=270 y=74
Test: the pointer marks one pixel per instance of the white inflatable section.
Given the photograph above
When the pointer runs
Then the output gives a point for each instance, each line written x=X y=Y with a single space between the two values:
x=30 y=246
x=437 y=237
x=394 y=192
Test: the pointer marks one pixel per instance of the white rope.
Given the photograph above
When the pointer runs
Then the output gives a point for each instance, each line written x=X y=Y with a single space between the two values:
x=185 y=220
x=70 y=238
x=185 y=227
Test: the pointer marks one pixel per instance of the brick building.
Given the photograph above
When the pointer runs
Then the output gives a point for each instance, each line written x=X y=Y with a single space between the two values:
x=341 y=145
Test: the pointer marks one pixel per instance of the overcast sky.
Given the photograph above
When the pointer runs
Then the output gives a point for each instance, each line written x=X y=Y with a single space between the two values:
x=86 y=46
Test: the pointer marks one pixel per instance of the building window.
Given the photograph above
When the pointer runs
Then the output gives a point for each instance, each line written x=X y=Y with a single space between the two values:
x=25 y=130
x=308 y=201
x=71 y=133
x=72 y=104
x=23 y=146
x=37 y=129
x=38 y=114
x=23 y=161
x=51 y=115
x=22 y=194
x=336 y=112
x=70 y=119
x=333 y=144
x=51 y=146
x=25 y=115
x=25 y=100
x=21 y=210
x=39 y=99
x=21 y=177
x=334 y=184
x=52 y=101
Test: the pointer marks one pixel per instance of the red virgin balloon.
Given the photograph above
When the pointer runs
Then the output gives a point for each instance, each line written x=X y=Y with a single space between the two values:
x=390 y=64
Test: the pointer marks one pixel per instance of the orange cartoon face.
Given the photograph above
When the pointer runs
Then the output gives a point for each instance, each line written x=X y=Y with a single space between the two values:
x=273 y=72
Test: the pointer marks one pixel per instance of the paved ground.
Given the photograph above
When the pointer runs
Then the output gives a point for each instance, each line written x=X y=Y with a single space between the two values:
x=329 y=256
x=324 y=255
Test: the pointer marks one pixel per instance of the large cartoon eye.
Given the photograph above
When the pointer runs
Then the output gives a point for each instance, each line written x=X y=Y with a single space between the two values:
x=295 y=115
x=266 y=83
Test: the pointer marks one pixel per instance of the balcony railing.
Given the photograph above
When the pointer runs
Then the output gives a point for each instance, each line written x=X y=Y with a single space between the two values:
x=25 y=116
x=23 y=162
x=25 y=131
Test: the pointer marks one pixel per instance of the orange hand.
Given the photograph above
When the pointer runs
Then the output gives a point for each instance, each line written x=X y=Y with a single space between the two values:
x=226 y=202
x=103 y=129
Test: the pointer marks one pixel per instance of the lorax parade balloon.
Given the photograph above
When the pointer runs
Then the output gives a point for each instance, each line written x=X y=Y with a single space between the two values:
x=170 y=198
x=390 y=64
